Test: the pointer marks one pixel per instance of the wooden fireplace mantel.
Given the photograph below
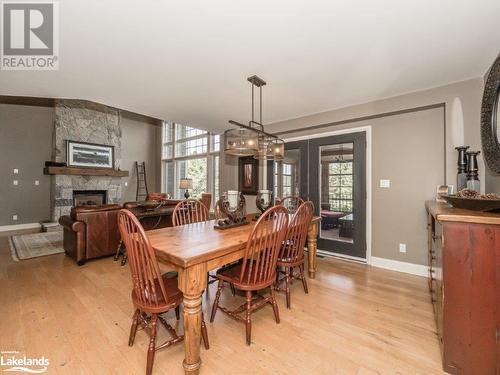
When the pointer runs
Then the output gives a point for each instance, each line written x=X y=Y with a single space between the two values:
x=75 y=171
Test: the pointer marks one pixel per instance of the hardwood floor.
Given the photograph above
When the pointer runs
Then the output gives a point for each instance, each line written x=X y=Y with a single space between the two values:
x=356 y=320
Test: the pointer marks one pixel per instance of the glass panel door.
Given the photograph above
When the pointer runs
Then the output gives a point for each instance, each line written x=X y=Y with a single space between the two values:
x=337 y=187
x=337 y=192
x=331 y=172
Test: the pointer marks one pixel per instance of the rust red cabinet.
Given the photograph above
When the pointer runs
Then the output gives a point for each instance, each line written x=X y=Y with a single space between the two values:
x=464 y=280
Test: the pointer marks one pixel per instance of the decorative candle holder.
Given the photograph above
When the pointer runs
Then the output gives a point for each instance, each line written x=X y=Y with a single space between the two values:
x=472 y=171
x=264 y=200
x=232 y=205
x=461 y=167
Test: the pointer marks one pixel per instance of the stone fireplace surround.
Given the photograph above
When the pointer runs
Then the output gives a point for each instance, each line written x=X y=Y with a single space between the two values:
x=84 y=121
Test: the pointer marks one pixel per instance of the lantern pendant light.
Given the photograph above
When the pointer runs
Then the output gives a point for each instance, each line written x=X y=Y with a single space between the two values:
x=251 y=139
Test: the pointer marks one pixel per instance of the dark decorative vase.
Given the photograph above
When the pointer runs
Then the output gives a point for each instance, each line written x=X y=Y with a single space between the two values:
x=461 y=167
x=473 y=182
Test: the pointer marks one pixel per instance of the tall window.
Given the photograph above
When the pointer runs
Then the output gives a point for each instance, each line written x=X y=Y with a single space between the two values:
x=193 y=153
x=284 y=179
x=287 y=179
x=340 y=186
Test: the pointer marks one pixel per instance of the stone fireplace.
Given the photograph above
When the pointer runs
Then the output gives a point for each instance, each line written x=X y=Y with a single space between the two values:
x=84 y=121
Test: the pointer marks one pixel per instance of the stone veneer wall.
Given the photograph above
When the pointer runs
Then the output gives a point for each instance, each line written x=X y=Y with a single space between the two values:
x=84 y=121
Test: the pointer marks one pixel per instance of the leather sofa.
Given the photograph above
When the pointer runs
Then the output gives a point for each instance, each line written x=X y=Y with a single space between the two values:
x=91 y=232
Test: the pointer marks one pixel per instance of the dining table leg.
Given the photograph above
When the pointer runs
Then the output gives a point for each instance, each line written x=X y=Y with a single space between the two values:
x=312 y=247
x=192 y=283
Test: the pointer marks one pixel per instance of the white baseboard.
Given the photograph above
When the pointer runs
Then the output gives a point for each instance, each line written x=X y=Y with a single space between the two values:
x=395 y=265
x=7 y=228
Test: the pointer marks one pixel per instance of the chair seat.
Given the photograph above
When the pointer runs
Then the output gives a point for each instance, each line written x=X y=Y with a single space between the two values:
x=290 y=261
x=232 y=274
x=174 y=296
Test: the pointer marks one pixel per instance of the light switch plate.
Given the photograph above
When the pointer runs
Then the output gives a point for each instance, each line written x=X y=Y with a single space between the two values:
x=385 y=183
x=126 y=183
x=37 y=182
x=15 y=182
x=16 y=171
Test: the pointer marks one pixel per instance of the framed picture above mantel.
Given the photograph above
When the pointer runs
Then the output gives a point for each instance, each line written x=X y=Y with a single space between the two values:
x=248 y=175
x=89 y=155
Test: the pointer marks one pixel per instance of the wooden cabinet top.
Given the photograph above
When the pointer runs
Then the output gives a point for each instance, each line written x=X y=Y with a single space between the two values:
x=444 y=212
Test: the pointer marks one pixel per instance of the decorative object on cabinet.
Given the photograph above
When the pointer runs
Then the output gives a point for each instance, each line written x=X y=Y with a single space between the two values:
x=83 y=154
x=461 y=167
x=248 y=175
x=443 y=190
x=471 y=200
x=490 y=118
x=473 y=182
x=232 y=210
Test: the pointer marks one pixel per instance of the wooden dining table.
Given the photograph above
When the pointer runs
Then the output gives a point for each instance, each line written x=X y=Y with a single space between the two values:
x=193 y=250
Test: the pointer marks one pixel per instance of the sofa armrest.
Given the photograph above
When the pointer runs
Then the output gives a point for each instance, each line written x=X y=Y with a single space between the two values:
x=68 y=223
x=129 y=205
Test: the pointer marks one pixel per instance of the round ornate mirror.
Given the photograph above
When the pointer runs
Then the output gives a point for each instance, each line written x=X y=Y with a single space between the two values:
x=496 y=117
x=490 y=118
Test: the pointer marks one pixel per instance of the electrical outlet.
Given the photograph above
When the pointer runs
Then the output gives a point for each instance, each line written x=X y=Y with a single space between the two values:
x=402 y=248
x=14 y=217
x=16 y=171
x=37 y=182
x=126 y=183
x=385 y=183
x=15 y=182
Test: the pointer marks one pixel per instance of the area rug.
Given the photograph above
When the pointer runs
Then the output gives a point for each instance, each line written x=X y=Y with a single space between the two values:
x=28 y=246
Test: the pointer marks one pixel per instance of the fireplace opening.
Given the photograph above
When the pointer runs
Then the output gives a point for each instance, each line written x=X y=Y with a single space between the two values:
x=89 y=197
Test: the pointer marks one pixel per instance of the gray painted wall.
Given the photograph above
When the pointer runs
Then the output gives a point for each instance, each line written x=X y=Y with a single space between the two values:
x=25 y=144
x=408 y=150
x=140 y=142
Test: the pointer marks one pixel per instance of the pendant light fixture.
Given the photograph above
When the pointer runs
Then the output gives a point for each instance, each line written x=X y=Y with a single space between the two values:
x=251 y=139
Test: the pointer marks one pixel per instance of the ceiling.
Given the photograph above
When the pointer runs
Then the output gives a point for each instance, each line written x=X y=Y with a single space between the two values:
x=187 y=61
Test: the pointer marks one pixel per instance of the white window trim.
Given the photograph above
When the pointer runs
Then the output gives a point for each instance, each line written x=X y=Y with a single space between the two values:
x=209 y=157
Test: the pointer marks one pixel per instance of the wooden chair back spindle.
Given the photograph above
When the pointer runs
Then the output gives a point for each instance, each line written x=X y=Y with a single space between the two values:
x=189 y=211
x=295 y=239
x=264 y=243
x=146 y=276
